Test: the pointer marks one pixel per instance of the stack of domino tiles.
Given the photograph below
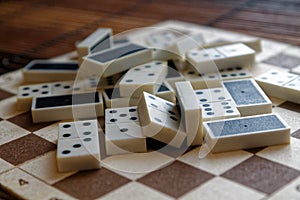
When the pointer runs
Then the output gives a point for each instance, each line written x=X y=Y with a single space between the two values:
x=166 y=87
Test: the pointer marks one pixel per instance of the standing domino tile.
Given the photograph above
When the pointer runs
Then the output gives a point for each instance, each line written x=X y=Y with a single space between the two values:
x=190 y=112
x=48 y=71
x=68 y=106
x=219 y=110
x=147 y=77
x=149 y=100
x=248 y=97
x=123 y=133
x=227 y=56
x=272 y=82
x=97 y=41
x=246 y=132
x=116 y=59
x=27 y=92
x=78 y=146
x=160 y=120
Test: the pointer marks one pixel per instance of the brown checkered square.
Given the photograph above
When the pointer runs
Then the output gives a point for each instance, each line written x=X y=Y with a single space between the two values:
x=176 y=179
x=25 y=121
x=283 y=60
x=261 y=174
x=91 y=184
x=254 y=150
x=5 y=95
x=25 y=148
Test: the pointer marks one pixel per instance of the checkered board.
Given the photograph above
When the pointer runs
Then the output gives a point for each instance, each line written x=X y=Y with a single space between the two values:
x=28 y=152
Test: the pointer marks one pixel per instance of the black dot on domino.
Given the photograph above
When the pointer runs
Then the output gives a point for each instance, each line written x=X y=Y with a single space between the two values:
x=77 y=145
x=158 y=120
x=173 y=118
x=154 y=105
x=66 y=152
x=171 y=112
x=151 y=97
x=86 y=123
x=66 y=126
x=132 y=110
x=66 y=135
x=124 y=130
x=87 y=133
x=87 y=139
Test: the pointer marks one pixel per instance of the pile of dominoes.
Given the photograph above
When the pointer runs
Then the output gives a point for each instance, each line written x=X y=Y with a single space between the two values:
x=175 y=89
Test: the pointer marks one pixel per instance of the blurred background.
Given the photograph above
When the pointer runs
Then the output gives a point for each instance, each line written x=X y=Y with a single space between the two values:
x=45 y=28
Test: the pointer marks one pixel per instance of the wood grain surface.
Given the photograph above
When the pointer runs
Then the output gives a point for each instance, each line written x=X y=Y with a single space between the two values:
x=46 y=28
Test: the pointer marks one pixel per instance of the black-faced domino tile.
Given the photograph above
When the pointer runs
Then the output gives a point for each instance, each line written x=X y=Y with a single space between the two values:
x=212 y=95
x=98 y=41
x=246 y=132
x=78 y=146
x=190 y=112
x=152 y=101
x=123 y=133
x=219 y=110
x=274 y=83
x=248 y=97
x=227 y=56
x=121 y=115
x=146 y=77
x=67 y=106
x=27 y=92
x=39 y=71
x=116 y=59
x=124 y=138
